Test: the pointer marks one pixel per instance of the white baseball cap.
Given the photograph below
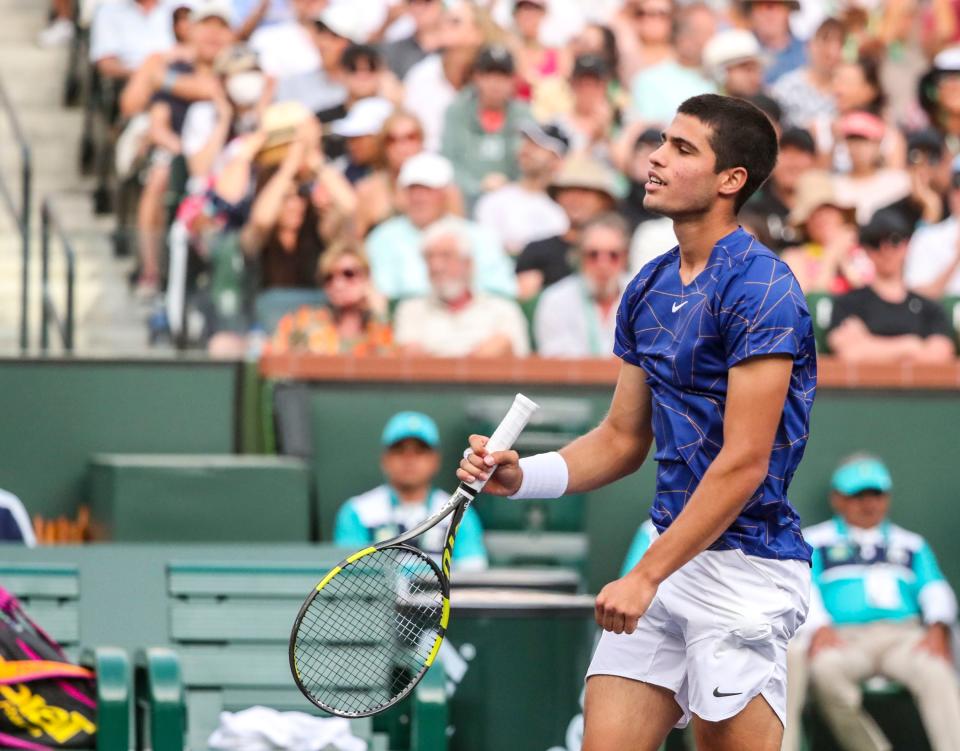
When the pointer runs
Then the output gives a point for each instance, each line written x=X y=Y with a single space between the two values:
x=729 y=48
x=205 y=9
x=365 y=118
x=344 y=20
x=426 y=169
x=948 y=59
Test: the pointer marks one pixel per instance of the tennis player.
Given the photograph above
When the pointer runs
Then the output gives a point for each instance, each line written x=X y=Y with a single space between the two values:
x=719 y=368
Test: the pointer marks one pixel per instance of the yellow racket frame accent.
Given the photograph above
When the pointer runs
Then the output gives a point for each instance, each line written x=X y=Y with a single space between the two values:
x=337 y=569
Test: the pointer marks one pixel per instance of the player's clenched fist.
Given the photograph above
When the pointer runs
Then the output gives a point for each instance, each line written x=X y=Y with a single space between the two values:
x=622 y=602
x=500 y=469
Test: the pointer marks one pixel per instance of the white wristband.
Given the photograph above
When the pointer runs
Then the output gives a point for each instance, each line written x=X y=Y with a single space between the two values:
x=544 y=476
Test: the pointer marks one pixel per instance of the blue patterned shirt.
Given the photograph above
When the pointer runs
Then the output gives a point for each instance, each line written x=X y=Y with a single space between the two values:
x=745 y=303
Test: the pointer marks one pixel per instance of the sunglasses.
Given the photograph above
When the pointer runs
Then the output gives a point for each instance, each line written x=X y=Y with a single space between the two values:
x=593 y=254
x=892 y=241
x=369 y=68
x=407 y=137
x=421 y=2
x=349 y=274
x=641 y=13
x=922 y=156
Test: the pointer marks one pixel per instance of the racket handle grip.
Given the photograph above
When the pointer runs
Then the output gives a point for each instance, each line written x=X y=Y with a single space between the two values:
x=509 y=430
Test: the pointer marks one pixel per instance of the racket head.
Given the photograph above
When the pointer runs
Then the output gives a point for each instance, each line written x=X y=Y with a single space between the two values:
x=370 y=630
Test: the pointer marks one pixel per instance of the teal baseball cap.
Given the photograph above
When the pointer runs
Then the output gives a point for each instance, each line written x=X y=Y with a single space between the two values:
x=862 y=473
x=411 y=425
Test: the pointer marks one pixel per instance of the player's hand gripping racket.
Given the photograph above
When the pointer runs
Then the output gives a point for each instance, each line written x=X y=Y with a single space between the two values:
x=373 y=626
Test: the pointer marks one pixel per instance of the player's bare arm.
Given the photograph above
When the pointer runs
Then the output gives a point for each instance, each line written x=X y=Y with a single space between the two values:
x=614 y=449
x=756 y=392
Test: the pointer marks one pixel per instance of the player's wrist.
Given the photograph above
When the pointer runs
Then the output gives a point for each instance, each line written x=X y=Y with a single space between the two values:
x=647 y=574
x=543 y=476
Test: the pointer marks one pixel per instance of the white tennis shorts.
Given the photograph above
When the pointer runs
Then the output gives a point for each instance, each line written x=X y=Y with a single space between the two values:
x=716 y=634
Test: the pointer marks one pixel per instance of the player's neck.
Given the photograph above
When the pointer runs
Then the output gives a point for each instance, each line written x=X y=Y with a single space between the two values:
x=412 y=495
x=697 y=236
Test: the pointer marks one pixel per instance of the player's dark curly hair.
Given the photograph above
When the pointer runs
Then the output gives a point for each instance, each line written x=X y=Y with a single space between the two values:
x=742 y=137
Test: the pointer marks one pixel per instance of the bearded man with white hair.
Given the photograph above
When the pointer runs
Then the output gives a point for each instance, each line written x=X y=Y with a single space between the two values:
x=576 y=317
x=453 y=320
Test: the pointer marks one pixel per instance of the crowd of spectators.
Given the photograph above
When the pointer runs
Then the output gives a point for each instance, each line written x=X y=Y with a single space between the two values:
x=459 y=177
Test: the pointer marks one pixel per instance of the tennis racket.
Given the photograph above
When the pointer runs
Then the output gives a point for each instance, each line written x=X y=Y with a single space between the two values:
x=372 y=627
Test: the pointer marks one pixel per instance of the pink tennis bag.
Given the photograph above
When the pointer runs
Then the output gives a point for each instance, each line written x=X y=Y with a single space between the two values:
x=45 y=701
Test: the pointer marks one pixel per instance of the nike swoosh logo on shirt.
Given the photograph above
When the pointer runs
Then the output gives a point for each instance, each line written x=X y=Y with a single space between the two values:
x=719 y=694
x=674 y=308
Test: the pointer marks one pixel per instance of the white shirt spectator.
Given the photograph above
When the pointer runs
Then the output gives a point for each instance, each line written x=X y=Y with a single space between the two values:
x=198 y=126
x=124 y=30
x=286 y=52
x=803 y=103
x=519 y=216
x=932 y=250
x=285 y=49
x=280 y=11
x=568 y=323
x=428 y=322
x=428 y=93
x=652 y=239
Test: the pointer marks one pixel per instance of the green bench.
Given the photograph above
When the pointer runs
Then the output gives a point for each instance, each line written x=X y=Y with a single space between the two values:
x=229 y=625
x=50 y=595
x=146 y=498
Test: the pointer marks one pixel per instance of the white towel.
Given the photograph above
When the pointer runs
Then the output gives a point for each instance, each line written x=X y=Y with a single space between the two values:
x=265 y=729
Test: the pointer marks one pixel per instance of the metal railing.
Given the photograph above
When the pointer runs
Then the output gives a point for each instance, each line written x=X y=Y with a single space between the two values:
x=50 y=225
x=21 y=216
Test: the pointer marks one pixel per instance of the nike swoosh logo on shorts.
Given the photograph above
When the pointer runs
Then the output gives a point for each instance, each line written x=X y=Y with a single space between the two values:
x=719 y=694
x=674 y=308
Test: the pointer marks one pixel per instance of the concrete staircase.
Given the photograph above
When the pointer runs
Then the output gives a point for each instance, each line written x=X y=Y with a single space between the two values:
x=108 y=320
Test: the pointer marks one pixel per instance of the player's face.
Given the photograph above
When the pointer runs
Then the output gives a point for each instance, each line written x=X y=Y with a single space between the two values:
x=410 y=464
x=865 y=510
x=682 y=180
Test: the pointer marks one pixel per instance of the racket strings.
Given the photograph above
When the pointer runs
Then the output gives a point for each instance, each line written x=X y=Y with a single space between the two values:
x=365 y=638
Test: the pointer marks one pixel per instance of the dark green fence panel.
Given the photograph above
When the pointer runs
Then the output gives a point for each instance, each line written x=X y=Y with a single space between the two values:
x=57 y=413
x=915 y=432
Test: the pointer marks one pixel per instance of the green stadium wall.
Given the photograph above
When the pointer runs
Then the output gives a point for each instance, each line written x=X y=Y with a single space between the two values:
x=57 y=413
x=916 y=432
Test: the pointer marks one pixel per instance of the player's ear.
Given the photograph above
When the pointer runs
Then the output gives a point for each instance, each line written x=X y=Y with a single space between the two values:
x=732 y=181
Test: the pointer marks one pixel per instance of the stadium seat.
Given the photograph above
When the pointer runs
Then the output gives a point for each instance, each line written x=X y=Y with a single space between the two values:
x=951 y=304
x=821 y=310
x=145 y=498
x=50 y=594
x=229 y=631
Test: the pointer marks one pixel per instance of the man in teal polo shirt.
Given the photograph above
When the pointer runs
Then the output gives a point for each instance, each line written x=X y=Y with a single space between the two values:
x=879 y=606
x=410 y=462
